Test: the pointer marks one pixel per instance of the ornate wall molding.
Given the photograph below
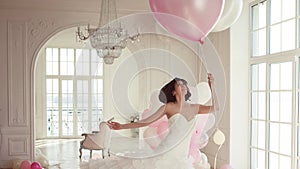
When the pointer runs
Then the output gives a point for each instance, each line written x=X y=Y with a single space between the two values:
x=17 y=73
x=38 y=29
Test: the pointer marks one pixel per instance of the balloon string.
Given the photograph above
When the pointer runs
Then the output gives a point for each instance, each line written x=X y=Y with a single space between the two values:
x=217 y=156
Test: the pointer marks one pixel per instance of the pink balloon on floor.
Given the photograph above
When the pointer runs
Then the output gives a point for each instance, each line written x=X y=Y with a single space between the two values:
x=226 y=166
x=35 y=165
x=190 y=19
x=25 y=164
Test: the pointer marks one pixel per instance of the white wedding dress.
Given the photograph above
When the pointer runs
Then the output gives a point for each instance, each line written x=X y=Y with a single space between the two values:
x=172 y=152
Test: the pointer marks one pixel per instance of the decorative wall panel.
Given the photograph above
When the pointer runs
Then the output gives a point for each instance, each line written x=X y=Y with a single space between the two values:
x=17 y=72
x=18 y=146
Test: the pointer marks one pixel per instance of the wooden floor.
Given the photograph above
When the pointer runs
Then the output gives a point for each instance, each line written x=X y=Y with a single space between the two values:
x=63 y=153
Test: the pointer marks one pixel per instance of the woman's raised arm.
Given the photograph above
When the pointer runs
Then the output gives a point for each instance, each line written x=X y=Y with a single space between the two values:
x=215 y=105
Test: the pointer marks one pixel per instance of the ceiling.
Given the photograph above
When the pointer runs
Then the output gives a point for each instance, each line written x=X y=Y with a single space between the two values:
x=73 y=5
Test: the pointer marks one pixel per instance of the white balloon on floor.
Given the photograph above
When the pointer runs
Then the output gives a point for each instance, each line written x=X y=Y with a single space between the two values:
x=231 y=12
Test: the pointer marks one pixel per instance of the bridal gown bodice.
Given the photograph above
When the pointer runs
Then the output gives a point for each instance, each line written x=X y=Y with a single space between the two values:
x=173 y=150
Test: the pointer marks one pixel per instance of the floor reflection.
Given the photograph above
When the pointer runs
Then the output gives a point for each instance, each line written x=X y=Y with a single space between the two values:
x=64 y=153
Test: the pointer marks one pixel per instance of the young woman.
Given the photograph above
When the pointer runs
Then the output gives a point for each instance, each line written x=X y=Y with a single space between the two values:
x=173 y=151
x=175 y=95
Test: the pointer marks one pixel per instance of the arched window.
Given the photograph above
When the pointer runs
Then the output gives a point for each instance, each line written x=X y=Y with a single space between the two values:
x=73 y=90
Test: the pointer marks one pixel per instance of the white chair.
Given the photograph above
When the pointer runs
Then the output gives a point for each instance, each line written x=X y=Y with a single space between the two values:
x=99 y=140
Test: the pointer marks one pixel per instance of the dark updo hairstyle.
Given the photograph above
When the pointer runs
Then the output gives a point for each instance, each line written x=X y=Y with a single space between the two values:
x=166 y=92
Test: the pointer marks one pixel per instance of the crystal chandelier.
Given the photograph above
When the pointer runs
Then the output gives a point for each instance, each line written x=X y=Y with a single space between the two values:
x=109 y=38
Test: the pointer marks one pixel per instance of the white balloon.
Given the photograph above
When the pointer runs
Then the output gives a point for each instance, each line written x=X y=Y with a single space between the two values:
x=219 y=137
x=231 y=12
x=204 y=92
x=201 y=94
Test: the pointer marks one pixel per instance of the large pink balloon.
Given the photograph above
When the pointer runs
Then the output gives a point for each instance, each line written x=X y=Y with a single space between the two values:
x=190 y=19
x=25 y=164
x=35 y=165
x=226 y=166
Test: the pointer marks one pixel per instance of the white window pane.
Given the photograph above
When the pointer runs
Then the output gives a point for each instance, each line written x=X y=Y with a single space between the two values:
x=100 y=86
x=63 y=55
x=49 y=68
x=100 y=100
x=55 y=54
x=298 y=153
x=258 y=134
x=94 y=67
x=261 y=135
x=82 y=68
x=298 y=31
x=286 y=107
x=55 y=86
x=274 y=79
x=49 y=56
x=255 y=44
x=275 y=7
x=254 y=133
x=262 y=76
x=64 y=68
x=254 y=77
x=275 y=40
x=254 y=106
x=261 y=159
x=262 y=14
x=288 y=35
x=70 y=100
x=274 y=137
x=55 y=100
x=82 y=86
x=55 y=68
x=70 y=68
x=257 y=159
x=67 y=86
x=100 y=69
x=274 y=161
x=288 y=9
x=79 y=86
x=255 y=17
x=70 y=86
x=286 y=75
x=71 y=55
x=274 y=106
x=285 y=162
x=49 y=87
x=285 y=139
x=262 y=105
x=82 y=55
x=262 y=42
x=94 y=56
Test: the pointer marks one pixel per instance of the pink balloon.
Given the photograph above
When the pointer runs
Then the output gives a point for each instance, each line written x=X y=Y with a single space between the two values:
x=151 y=138
x=226 y=166
x=203 y=141
x=35 y=165
x=25 y=164
x=190 y=19
x=146 y=113
x=162 y=129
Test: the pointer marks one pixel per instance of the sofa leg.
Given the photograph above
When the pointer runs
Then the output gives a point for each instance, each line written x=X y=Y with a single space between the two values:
x=91 y=152
x=80 y=152
x=102 y=153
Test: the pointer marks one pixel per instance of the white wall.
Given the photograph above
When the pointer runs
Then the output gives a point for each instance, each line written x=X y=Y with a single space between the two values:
x=239 y=123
